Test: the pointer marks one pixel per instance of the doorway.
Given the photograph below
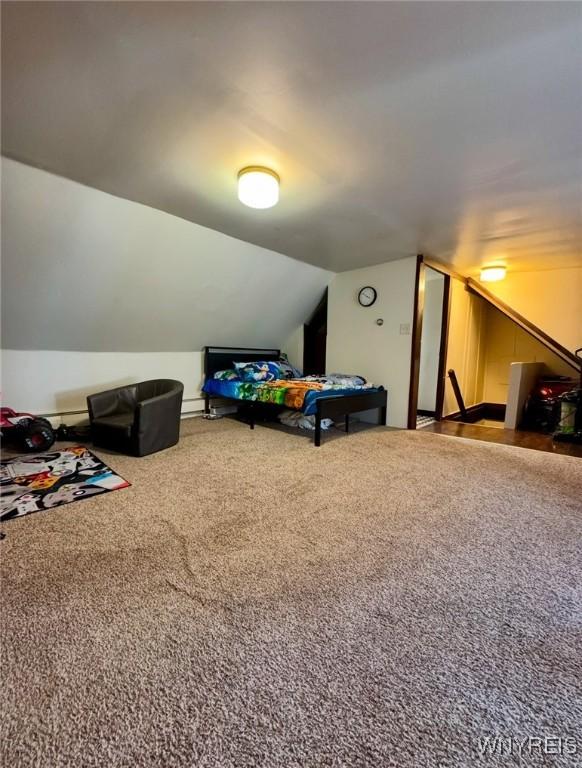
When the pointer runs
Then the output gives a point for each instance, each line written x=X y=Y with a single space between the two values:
x=429 y=404
x=498 y=373
x=429 y=345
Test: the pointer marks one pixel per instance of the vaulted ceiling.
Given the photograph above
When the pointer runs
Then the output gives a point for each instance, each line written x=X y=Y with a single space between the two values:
x=449 y=128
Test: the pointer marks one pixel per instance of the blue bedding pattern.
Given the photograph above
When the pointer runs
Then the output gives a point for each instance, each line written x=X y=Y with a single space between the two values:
x=297 y=394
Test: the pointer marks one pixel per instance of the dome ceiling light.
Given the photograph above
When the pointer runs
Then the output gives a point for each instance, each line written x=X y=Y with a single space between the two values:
x=492 y=274
x=258 y=187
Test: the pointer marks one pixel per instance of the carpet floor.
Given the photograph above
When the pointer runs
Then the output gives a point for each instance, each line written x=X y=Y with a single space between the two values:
x=385 y=600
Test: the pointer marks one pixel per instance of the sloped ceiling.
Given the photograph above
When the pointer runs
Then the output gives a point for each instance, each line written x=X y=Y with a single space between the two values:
x=85 y=271
x=449 y=128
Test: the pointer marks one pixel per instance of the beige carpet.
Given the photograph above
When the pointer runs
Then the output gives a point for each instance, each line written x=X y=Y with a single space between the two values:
x=384 y=600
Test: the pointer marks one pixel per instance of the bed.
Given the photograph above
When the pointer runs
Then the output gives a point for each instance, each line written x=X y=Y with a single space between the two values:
x=322 y=403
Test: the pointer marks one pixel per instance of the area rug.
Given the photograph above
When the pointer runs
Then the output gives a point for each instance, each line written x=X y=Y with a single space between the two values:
x=47 y=480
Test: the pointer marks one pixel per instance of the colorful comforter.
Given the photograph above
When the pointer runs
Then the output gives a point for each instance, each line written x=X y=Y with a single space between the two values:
x=298 y=394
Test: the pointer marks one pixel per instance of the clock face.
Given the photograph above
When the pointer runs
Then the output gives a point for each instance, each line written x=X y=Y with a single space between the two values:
x=367 y=296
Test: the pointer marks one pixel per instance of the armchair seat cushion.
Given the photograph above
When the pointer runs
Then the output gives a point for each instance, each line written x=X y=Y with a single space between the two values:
x=122 y=422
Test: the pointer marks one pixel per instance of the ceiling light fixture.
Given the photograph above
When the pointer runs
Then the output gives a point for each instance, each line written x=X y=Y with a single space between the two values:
x=258 y=187
x=492 y=274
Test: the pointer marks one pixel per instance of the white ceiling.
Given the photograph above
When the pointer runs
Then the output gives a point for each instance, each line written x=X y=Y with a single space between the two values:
x=449 y=128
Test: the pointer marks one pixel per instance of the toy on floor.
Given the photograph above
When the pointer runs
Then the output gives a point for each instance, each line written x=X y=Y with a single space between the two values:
x=26 y=432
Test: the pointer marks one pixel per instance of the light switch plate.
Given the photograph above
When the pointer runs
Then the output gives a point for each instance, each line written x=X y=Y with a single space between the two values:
x=405 y=329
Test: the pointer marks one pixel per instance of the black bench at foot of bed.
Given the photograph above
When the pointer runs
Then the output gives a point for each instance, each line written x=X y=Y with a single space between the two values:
x=333 y=407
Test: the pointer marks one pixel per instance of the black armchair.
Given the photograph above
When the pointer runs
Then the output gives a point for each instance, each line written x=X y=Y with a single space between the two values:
x=137 y=419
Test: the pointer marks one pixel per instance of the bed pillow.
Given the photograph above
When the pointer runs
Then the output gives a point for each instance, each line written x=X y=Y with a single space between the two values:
x=229 y=375
x=262 y=370
x=344 y=380
x=287 y=370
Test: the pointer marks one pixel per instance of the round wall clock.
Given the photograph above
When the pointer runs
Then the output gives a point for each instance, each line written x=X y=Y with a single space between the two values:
x=367 y=296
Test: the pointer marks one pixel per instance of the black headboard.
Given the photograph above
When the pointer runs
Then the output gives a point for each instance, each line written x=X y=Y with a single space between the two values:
x=223 y=358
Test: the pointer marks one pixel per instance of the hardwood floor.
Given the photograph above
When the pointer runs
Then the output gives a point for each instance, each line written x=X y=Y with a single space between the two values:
x=537 y=442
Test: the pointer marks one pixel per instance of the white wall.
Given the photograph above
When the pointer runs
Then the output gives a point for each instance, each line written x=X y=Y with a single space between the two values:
x=356 y=344
x=507 y=343
x=432 y=321
x=293 y=347
x=551 y=299
x=85 y=271
x=97 y=290
x=46 y=382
